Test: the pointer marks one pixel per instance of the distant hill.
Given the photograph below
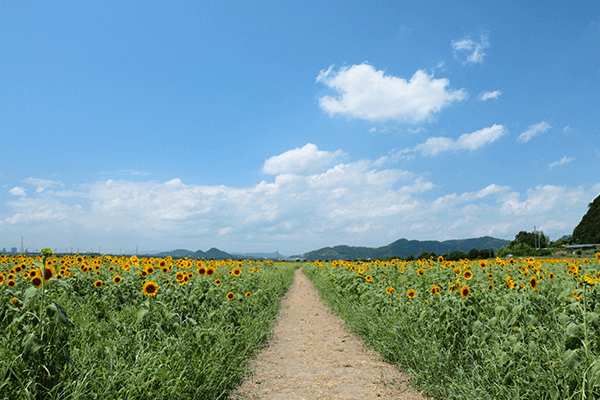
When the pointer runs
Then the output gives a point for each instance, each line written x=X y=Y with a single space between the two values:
x=588 y=230
x=272 y=256
x=213 y=253
x=403 y=248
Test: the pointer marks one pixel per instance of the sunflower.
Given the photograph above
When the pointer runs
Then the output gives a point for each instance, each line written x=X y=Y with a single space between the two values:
x=411 y=293
x=390 y=290
x=210 y=271
x=201 y=271
x=149 y=270
x=490 y=276
x=533 y=282
x=98 y=284
x=180 y=275
x=218 y=282
x=457 y=271
x=361 y=271
x=598 y=256
x=577 y=296
x=237 y=271
x=2 y=279
x=150 y=288
x=421 y=272
x=15 y=302
x=37 y=281
x=440 y=259
x=482 y=264
x=465 y=291
x=117 y=279
x=468 y=275
x=11 y=283
x=49 y=273
x=369 y=278
x=230 y=296
x=491 y=287
x=248 y=294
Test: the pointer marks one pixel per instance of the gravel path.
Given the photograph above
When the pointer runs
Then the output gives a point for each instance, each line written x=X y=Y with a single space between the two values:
x=314 y=356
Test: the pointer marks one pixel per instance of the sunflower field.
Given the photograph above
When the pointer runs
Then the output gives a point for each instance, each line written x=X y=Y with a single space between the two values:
x=83 y=327
x=490 y=329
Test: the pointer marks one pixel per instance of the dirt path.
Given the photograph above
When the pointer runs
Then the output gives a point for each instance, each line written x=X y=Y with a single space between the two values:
x=313 y=356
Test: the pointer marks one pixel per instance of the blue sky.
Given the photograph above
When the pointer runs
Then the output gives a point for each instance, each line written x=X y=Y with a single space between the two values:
x=290 y=126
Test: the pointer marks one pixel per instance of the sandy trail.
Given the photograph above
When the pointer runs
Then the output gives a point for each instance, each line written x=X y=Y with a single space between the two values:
x=314 y=356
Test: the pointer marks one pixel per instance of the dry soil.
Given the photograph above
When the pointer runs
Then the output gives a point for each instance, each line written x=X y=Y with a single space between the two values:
x=314 y=356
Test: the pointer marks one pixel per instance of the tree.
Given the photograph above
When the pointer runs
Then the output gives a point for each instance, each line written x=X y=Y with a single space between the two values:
x=588 y=230
x=473 y=254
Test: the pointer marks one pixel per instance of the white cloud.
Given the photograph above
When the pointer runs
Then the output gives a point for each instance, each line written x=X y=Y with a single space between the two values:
x=489 y=95
x=564 y=160
x=18 y=191
x=357 y=203
x=541 y=199
x=368 y=94
x=307 y=160
x=474 y=50
x=466 y=141
x=533 y=130
x=43 y=183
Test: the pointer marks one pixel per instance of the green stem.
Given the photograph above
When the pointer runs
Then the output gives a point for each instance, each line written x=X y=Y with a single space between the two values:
x=41 y=315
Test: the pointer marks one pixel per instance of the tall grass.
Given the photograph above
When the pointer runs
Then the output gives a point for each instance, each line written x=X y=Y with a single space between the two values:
x=526 y=330
x=107 y=340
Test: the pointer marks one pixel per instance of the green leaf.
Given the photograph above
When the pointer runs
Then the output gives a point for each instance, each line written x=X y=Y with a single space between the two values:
x=59 y=316
x=593 y=319
x=31 y=344
x=572 y=358
x=574 y=330
x=142 y=314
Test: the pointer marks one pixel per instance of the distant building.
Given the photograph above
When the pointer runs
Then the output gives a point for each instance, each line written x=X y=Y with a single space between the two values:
x=13 y=250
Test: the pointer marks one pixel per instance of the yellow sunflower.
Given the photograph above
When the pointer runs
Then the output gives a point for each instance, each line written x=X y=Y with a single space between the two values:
x=98 y=284
x=468 y=275
x=465 y=291
x=150 y=288
x=230 y=296
x=218 y=282
x=533 y=282
x=411 y=293
x=237 y=271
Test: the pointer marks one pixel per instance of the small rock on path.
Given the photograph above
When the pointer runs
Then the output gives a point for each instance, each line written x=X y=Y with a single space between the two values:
x=313 y=356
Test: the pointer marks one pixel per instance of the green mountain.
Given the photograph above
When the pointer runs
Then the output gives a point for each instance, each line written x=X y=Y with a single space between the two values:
x=588 y=230
x=403 y=248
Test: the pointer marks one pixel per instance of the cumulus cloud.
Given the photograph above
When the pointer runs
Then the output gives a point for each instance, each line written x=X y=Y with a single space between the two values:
x=489 y=95
x=564 y=160
x=472 y=49
x=363 y=92
x=467 y=141
x=366 y=202
x=18 y=191
x=307 y=160
x=533 y=130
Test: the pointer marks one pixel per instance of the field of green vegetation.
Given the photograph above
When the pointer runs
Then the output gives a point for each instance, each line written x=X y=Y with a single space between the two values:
x=491 y=329
x=129 y=328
